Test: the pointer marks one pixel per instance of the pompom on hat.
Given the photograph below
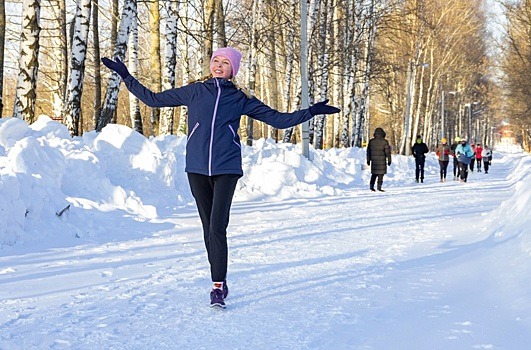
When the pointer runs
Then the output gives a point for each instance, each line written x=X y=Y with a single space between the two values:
x=443 y=140
x=233 y=55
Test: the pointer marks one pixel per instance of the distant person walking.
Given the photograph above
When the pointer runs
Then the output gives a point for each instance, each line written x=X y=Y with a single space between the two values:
x=486 y=155
x=443 y=154
x=378 y=157
x=473 y=160
x=477 y=152
x=452 y=153
x=419 y=152
x=464 y=155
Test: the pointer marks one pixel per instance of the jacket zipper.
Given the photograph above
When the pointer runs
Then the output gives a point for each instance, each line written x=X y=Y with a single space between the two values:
x=212 y=128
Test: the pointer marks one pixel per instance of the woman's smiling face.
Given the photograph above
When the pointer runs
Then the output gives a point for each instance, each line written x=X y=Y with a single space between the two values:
x=220 y=67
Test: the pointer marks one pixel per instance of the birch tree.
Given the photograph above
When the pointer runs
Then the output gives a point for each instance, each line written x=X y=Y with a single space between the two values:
x=290 y=67
x=58 y=52
x=252 y=62
x=154 y=59
x=111 y=95
x=323 y=71
x=312 y=20
x=371 y=20
x=2 y=45
x=72 y=113
x=97 y=65
x=221 y=38
x=132 y=53
x=28 y=61
x=183 y=40
x=209 y=8
x=274 y=45
x=170 y=64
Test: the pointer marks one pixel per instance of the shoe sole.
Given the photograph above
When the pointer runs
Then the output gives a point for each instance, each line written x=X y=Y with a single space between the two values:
x=218 y=306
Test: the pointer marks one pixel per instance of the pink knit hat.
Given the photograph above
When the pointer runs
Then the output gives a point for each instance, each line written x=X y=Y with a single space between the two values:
x=233 y=55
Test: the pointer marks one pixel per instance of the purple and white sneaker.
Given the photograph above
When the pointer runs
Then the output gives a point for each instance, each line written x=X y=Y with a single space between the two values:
x=225 y=289
x=216 y=298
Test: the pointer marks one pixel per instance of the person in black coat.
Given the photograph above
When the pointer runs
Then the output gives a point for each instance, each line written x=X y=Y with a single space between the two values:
x=419 y=152
x=378 y=157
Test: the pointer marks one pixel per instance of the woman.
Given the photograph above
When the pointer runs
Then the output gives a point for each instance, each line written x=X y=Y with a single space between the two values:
x=378 y=157
x=464 y=154
x=443 y=152
x=213 y=150
x=486 y=155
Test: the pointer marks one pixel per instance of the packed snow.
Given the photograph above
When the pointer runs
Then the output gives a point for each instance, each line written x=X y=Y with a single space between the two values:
x=101 y=248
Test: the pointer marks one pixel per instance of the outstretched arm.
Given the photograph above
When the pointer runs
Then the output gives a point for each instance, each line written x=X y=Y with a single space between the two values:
x=258 y=110
x=168 y=98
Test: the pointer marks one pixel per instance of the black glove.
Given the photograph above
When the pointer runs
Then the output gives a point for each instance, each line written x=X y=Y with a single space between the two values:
x=117 y=66
x=368 y=162
x=323 y=108
x=389 y=163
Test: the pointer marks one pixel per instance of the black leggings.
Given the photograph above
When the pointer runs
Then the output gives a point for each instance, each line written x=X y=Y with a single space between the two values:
x=456 y=167
x=443 y=164
x=213 y=196
x=463 y=171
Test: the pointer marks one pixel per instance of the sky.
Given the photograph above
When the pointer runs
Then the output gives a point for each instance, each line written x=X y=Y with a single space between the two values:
x=101 y=248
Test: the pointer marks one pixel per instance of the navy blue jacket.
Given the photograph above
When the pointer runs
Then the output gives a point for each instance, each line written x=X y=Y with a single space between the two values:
x=215 y=107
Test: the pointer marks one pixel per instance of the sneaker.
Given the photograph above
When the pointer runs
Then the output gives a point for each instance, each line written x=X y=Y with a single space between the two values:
x=225 y=289
x=216 y=298
x=381 y=190
x=372 y=189
x=417 y=180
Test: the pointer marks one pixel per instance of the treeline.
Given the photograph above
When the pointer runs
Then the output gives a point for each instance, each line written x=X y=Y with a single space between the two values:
x=410 y=66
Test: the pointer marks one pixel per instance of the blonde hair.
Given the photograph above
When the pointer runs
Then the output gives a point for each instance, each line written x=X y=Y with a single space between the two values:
x=238 y=87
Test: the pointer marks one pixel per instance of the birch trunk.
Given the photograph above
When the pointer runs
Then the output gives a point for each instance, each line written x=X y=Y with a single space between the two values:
x=366 y=77
x=154 y=60
x=290 y=53
x=2 y=45
x=208 y=35
x=97 y=60
x=132 y=53
x=324 y=61
x=59 y=42
x=72 y=113
x=111 y=96
x=170 y=65
x=28 y=62
x=356 y=40
x=220 y=24
x=185 y=59
x=348 y=68
x=273 y=59
x=252 y=58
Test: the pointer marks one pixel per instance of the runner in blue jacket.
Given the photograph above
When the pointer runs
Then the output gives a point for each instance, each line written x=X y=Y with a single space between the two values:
x=464 y=154
x=213 y=150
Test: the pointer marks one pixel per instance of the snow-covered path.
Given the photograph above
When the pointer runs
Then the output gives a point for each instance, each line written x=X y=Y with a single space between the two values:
x=421 y=266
